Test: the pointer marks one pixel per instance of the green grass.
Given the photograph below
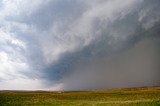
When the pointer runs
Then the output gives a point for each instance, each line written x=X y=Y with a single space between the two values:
x=144 y=96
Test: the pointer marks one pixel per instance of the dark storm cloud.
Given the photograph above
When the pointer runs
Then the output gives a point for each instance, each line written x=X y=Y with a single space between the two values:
x=79 y=44
x=136 y=65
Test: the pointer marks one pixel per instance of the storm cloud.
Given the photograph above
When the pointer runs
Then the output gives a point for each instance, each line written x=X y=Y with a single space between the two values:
x=79 y=44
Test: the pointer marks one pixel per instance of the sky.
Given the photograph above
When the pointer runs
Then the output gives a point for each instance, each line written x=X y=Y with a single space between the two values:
x=79 y=44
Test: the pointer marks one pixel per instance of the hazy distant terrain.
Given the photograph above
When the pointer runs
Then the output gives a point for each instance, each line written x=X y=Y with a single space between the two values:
x=144 y=96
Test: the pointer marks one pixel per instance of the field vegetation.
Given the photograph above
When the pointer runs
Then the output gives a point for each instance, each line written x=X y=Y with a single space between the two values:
x=144 y=96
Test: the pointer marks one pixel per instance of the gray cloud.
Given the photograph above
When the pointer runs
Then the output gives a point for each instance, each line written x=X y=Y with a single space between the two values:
x=54 y=42
x=136 y=66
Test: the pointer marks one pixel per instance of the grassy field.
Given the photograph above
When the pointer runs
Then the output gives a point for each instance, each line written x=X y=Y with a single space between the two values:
x=144 y=96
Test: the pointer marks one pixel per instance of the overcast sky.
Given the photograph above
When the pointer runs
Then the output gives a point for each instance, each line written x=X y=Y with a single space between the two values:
x=79 y=44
